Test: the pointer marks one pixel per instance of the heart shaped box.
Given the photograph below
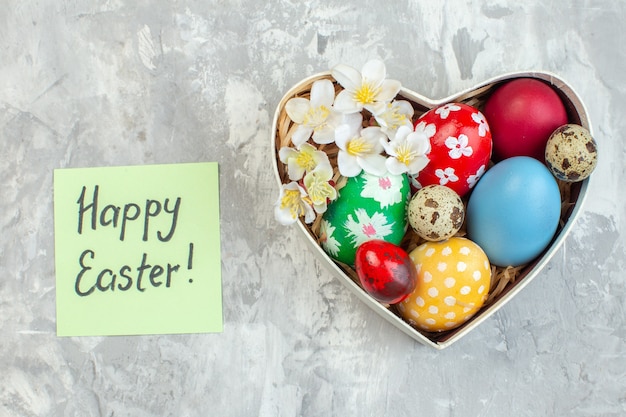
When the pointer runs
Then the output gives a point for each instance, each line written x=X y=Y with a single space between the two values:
x=577 y=114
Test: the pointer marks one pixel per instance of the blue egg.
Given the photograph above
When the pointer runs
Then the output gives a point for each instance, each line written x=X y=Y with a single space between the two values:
x=514 y=210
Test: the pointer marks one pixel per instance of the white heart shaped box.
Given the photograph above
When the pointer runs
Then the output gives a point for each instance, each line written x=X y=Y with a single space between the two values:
x=577 y=114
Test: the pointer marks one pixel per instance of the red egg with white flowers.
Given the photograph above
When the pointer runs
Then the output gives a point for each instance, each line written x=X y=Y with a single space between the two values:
x=461 y=147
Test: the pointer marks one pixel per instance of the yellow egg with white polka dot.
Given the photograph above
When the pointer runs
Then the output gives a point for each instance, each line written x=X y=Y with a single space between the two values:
x=453 y=279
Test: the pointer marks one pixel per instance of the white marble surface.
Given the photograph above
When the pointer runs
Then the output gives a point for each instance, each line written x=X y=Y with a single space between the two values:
x=99 y=83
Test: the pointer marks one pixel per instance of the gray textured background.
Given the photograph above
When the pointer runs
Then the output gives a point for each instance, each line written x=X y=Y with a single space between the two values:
x=100 y=83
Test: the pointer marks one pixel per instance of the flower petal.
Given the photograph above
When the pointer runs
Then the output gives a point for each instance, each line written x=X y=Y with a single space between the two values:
x=322 y=93
x=283 y=216
x=324 y=135
x=374 y=136
x=395 y=167
x=389 y=89
x=344 y=103
x=419 y=143
x=301 y=135
x=320 y=208
x=403 y=132
x=295 y=170
x=418 y=164
x=389 y=147
x=404 y=107
x=348 y=77
x=348 y=165
x=297 y=108
x=309 y=214
x=373 y=164
x=285 y=153
x=374 y=71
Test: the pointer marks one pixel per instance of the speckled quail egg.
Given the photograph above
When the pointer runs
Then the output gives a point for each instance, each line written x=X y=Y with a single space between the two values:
x=571 y=153
x=436 y=212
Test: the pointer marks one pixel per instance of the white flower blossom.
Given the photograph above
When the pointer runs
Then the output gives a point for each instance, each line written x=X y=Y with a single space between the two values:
x=318 y=187
x=301 y=161
x=315 y=116
x=293 y=202
x=367 y=89
x=395 y=114
x=407 y=151
x=359 y=148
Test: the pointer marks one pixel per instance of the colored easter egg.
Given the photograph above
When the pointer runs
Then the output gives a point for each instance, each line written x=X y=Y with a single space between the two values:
x=436 y=212
x=522 y=114
x=453 y=279
x=460 y=147
x=514 y=211
x=385 y=271
x=368 y=207
x=571 y=153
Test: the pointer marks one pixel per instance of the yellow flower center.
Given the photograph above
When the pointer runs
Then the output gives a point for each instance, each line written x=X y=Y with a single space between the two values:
x=292 y=200
x=366 y=93
x=319 y=190
x=305 y=160
x=405 y=154
x=358 y=146
x=393 y=118
x=316 y=116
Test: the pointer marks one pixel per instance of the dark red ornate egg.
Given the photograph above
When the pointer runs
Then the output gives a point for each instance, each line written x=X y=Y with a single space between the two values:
x=385 y=270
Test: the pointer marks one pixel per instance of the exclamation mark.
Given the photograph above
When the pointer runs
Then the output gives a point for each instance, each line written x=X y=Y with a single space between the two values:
x=190 y=260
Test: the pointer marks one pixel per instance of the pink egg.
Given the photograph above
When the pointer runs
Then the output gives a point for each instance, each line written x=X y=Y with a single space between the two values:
x=522 y=114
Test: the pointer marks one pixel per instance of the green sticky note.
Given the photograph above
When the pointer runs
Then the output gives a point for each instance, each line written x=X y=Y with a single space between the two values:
x=137 y=250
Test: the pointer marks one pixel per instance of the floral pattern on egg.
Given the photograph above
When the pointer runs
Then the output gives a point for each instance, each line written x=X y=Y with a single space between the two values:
x=368 y=207
x=460 y=147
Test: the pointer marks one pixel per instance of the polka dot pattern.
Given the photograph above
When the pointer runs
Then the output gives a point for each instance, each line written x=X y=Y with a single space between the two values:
x=452 y=284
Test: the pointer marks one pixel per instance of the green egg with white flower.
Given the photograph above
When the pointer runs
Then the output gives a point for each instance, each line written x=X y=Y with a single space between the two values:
x=368 y=207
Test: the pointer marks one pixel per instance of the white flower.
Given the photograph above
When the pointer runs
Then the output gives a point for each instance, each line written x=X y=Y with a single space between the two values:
x=446 y=175
x=483 y=127
x=292 y=203
x=367 y=89
x=386 y=190
x=395 y=114
x=318 y=187
x=301 y=161
x=314 y=116
x=327 y=240
x=444 y=111
x=366 y=228
x=407 y=151
x=458 y=146
x=414 y=182
x=473 y=179
x=359 y=148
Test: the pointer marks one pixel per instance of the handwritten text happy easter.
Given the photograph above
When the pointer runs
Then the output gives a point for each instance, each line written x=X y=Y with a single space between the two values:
x=94 y=215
